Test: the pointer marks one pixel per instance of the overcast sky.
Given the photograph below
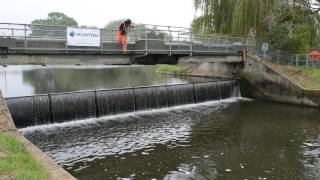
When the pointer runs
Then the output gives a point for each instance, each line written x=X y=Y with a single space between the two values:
x=100 y=12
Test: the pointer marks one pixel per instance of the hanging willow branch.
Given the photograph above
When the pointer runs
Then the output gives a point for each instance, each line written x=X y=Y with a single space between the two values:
x=236 y=17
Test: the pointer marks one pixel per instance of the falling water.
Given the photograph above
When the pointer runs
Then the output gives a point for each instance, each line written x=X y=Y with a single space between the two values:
x=56 y=108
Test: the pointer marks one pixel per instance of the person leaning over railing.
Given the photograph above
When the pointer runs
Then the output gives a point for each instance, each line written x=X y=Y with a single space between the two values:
x=123 y=33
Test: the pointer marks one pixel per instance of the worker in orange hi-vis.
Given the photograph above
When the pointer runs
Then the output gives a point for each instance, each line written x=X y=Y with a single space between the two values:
x=123 y=33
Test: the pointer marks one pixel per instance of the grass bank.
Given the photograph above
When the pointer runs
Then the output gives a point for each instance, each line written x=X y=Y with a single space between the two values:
x=16 y=162
x=307 y=77
x=173 y=69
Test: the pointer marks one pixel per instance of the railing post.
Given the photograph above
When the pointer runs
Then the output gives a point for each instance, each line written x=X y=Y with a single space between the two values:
x=297 y=58
x=146 y=42
x=278 y=56
x=66 y=41
x=191 y=43
x=170 y=41
x=209 y=45
x=226 y=44
x=25 y=39
x=101 y=41
x=306 y=59
x=178 y=40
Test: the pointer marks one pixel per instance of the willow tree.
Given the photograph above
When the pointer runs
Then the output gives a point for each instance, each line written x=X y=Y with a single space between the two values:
x=290 y=25
x=216 y=16
x=236 y=17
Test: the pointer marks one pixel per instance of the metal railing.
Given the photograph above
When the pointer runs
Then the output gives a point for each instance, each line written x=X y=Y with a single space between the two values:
x=169 y=40
x=284 y=58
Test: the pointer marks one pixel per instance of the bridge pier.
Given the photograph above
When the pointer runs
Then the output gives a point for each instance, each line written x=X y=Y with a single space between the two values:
x=213 y=66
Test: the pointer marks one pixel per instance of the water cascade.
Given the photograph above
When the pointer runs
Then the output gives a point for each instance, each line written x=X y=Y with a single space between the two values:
x=62 y=107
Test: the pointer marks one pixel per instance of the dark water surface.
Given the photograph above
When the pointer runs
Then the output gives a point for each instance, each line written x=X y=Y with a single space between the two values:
x=233 y=139
x=34 y=79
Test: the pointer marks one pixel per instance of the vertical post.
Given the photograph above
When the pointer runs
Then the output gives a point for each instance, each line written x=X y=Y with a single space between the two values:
x=101 y=41
x=170 y=41
x=25 y=38
x=226 y=44
x=278 y=57
x=146 y=42
x=178 y=40
x=306 y=59
x=191 y=43
x=66 y=40
x=209 y=45
x=297 y=58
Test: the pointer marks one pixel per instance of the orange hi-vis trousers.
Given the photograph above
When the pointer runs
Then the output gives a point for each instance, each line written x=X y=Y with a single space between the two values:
x=123 y=40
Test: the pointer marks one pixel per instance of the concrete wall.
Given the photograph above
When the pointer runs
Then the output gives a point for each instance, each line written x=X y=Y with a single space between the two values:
x=268 y=84
x=7 y=127
x=214 y=66
x=64 y=59
x=6 y=122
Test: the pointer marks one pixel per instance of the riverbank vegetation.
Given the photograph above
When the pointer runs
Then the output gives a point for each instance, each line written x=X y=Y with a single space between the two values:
x=292 y=26
x=173 y=69
x=307 y=77
x=16 y=162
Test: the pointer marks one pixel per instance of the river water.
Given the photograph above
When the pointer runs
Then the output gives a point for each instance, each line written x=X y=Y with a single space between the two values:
x=231 y=139
x=34 y=79
x=236 y=138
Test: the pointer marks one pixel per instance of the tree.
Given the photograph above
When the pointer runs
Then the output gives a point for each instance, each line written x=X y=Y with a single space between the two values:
x=56 y=18
x=234 y=17
x=288 y=24
x=53 y=26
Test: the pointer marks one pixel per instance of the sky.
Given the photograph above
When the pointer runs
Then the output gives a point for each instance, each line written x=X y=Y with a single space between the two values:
x=99 y=12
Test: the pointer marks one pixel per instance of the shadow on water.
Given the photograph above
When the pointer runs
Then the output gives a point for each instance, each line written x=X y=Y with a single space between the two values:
x=239 y=140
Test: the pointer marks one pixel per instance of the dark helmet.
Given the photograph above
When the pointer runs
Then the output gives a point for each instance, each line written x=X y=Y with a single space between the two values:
x=128 y=21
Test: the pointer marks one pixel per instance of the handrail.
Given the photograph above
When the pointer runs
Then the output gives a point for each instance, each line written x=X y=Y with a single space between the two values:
x=174 y=39
x=153 y=25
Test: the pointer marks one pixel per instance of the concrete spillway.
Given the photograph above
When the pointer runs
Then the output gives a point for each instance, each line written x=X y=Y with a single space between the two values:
x=62 y=107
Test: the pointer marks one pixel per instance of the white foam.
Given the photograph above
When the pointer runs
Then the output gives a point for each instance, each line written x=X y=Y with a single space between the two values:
x=89 y=121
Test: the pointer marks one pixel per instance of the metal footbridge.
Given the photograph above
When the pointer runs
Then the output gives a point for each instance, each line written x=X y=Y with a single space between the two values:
x=142 y=40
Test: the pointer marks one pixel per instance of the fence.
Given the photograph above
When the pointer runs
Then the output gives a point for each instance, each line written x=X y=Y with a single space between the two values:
x=284 y=58
x=145 y=38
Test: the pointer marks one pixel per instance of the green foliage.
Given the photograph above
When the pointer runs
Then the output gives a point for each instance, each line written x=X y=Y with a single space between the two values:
x=54 y=25
x=294 y=30
x=307 y=77
x=56 y=18
x=234 y=17
x=17 y=162
x=302 y=40
x=278 y=37
x=285 y=25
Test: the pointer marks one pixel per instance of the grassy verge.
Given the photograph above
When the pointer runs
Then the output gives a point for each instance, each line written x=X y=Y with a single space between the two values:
x=307 y=77
x=16 y=163
x=172 y=69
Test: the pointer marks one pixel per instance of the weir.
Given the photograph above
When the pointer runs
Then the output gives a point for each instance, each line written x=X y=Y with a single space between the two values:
x=62 y=107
